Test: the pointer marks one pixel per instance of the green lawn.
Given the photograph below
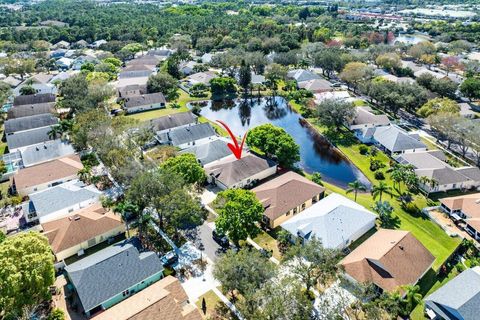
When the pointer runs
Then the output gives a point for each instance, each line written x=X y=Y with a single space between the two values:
x=267 y=242
x=430 y=234
x=211 y=300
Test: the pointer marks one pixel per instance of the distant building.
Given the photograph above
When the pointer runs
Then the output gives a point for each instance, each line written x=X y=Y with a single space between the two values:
x=393 y=139
x=144 y=102
x=467 y=208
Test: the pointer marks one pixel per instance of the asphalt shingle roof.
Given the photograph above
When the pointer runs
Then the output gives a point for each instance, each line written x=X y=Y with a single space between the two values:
x=47 y=151
x=30 y=122
x=30 y=110
x=33 y=99
x=110 y=271
x=209 y=152
x=62 y=196
x=28 y=138
x=173 y=121
x=144 y=99
x=461 y=294
x=395 y=139
x=190 y=133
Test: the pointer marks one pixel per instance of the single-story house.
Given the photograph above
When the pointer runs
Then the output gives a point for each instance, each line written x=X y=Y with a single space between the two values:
x=148 y=60
x=316 y=85
x=132 y=90
x=49 y=150
x=331 y=95
x=201 y=77
x=206 y=58
x=13 y=126
x=59 y=201
x=285 y=196
x=242 y=173
x=57 y=53
x=33 y=99
x=466 y=110
x=301 y=75
x=165 y=299
x=61 y=44
x=465 y=207
x=45 y=175
x=257 y=79
x=81 y=60
x=187 y=136
x=423 y=71
x=396 y=140
x=458 y=299
x=186 y=68
x=209 y=152
x=85 y=228
x=388 y=259
x=136 y=70
x=365 y=119
x=40 y=88
x=12 y=81
x=144 y=102
x=160 y=53
x=62 y=76
x=127 y=82
x=81 y=44
x=113 y=274
x=335 y=220
x=31 y=110
x=64 y=63
x=171 y=121
x=23 y=139
x=431 y=164
x=96 y=44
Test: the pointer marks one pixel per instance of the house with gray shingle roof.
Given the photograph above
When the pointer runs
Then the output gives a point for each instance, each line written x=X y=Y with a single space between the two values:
x=13 y=126
x=187 y=136
x=396 y=140
x=301 y=75
x=457 y=299
x=23 y=139
x=144 y=102
x=242 y=173
x=59 y=201
x=209 y=152
x=113 y=274
x=34 y=99
x=27 y=110
x=335 y=220
x=171 y=121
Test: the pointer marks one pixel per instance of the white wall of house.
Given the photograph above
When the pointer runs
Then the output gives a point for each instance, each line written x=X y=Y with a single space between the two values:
x=277 y=222
x=145 y=107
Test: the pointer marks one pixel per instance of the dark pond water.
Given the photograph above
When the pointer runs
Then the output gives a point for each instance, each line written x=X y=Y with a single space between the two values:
x=316 y=154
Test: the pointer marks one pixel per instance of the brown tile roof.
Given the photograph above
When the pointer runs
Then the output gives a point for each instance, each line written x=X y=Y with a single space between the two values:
x=83 y=225
x=389 y=259
x=285 y=192
x=469 y=204
x=165 y=300
x=48 y=171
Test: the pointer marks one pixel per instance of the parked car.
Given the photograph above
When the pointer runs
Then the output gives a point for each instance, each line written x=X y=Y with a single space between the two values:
x=169 y=259
x=221 y=239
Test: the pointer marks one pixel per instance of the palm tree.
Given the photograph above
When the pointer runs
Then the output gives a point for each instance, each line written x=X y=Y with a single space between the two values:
x=85 y=174
x=385 y=210
x=379 y=189
x=125 y=208
x=356 y=186
x=54 y=132
x=411 y=299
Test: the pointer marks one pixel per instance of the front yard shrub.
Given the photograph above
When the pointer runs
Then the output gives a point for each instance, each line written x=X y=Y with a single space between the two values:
x=363 y=149
x=379 y=175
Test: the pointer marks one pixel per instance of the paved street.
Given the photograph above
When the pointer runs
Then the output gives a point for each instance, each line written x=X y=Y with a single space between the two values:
x=211 y=248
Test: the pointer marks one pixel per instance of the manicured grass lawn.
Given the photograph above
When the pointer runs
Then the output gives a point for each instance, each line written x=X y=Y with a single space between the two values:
x=426 y=231
x=429 y=284
x=152 y=114
x=267 y=242
x=211 y=300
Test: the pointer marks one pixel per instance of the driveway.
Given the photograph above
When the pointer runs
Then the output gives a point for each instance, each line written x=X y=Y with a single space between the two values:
x=211 y=248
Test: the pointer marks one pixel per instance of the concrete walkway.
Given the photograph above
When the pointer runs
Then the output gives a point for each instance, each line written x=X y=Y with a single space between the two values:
x=258 y=247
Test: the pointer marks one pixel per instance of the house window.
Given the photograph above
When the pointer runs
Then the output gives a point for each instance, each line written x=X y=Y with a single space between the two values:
x=314 y=199
x=295 y=211
x=303 y=206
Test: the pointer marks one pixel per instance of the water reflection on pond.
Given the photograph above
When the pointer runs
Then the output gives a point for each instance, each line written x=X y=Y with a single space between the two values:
x=316 y=154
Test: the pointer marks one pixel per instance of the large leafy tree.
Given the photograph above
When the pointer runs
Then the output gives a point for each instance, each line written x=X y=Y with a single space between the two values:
x=239 y=213
x=4 y=91
x=26 y=272
x=334 y=113
x=354 y=73
x=164 y=83
x=222 y=86
x=470 y=88
x=312 y=263
x=245 y=77
x=330 y=60
x=245 y=271
x=274 y=141
x=187 y=166
x=439 y=105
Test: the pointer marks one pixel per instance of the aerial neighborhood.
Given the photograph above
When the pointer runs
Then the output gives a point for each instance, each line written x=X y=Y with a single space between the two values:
x=254 y=160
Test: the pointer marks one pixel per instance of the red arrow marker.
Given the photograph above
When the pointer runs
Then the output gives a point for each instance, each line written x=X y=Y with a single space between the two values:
x=235 y=148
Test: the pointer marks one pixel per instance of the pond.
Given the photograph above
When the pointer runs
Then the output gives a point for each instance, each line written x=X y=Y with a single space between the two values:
x=316 y=154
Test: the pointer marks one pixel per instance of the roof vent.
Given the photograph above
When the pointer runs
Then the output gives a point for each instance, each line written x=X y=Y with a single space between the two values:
x=76 y=218
x=45 y=146
x=401 y=247
x=36 y=148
